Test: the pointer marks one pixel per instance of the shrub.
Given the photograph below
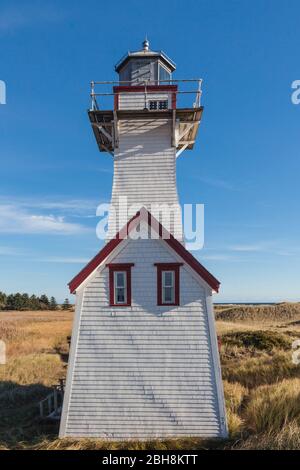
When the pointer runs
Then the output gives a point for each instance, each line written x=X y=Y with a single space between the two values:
x=262 y=340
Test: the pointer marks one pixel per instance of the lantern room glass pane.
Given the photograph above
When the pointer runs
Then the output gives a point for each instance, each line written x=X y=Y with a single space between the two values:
x=164 y=75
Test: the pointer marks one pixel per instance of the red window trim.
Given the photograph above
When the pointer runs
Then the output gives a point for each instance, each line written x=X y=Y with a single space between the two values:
x=168 y=267
x=119 y=267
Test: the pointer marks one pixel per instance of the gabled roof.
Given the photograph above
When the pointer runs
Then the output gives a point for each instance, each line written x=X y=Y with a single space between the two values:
x=144 y=215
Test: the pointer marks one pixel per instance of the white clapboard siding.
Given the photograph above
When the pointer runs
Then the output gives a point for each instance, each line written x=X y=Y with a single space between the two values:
x=138 y=100
x=145 y=172
x=144 y=371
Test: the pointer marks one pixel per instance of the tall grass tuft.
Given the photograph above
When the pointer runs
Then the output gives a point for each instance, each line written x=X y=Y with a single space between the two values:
x=253 y=372
x=271 y=407
x=287 y=438
x=234 y=397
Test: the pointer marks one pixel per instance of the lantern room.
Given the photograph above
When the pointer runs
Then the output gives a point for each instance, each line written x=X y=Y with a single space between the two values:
x=145 y=66
x=146 y=91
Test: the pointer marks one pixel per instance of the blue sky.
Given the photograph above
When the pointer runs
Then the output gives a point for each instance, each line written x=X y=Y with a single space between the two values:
x=245 y=166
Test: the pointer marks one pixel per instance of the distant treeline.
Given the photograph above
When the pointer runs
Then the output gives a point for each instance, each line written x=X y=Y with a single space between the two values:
x=30 y=302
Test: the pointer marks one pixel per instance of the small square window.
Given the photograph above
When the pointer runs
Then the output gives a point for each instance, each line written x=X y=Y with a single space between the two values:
x=163 y=104
x=168 y=278
x=120 y=284
x=152 y=105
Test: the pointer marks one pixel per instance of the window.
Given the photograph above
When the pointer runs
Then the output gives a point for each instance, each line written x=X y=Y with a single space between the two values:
x=164 y=75
x=120 y=294
x=152 y=105
x=168 y=287
x=163 y=104
x=168 y=278
x=158 y=105
x=120 y=284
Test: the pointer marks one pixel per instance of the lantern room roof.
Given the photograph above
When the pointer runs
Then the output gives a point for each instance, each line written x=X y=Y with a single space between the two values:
x=146 y=52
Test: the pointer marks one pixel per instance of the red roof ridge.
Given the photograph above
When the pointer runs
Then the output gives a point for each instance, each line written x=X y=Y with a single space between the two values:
x=145 y=215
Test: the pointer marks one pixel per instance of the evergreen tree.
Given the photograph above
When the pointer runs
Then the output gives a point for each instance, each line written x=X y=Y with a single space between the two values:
x=34 y=303
x=53 y=304
x=24 y=301
x=44 y=302
x=10 y=302
x=66 y=304
x=2 y=300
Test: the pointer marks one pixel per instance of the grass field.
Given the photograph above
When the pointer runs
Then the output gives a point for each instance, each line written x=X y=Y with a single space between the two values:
x=262 y=385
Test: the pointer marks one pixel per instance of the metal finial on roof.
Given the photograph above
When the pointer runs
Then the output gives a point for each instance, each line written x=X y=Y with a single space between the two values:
x=146 y=44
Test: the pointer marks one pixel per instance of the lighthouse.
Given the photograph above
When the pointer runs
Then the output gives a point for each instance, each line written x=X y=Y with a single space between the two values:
x=144 y=359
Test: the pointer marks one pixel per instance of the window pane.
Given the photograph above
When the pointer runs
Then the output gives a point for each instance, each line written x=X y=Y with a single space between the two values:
x=168 y=278
x=153 y=104
x=120 y=295
x=168 y=287
x=163 y=104
x=120 y=279
x=163 y=74
x=168 y=295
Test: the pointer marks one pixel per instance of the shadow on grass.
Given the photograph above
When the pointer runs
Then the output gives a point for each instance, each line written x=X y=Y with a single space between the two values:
x=22 y=428
x=20 y=423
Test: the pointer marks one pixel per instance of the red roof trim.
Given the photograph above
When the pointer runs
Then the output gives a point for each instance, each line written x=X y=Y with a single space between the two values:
x=168 y=238
x=141 y=88
x=103 y=254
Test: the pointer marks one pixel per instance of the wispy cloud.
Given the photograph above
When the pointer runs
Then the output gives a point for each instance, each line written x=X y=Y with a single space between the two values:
x=217 y=257
x=59 y=205
x=13 y=18
x=274 y=247
x=8 y=251
x=248 y=247
x=243 y=252
x=64 y=260
x=217 y=183
x=17 y=219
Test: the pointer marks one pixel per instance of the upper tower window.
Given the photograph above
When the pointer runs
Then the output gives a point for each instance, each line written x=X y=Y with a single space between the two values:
x=161 y=104
x=152 y=105
x=141 y=71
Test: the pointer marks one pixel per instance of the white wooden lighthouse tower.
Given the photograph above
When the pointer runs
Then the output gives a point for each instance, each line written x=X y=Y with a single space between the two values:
x=144 y=359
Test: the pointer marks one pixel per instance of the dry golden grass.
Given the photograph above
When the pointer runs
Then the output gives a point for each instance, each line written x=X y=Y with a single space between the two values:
x=261 y=383
x=235 y=395
x=287 y=438
x=271 y=407
x=98 y=444
x=259 y=313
